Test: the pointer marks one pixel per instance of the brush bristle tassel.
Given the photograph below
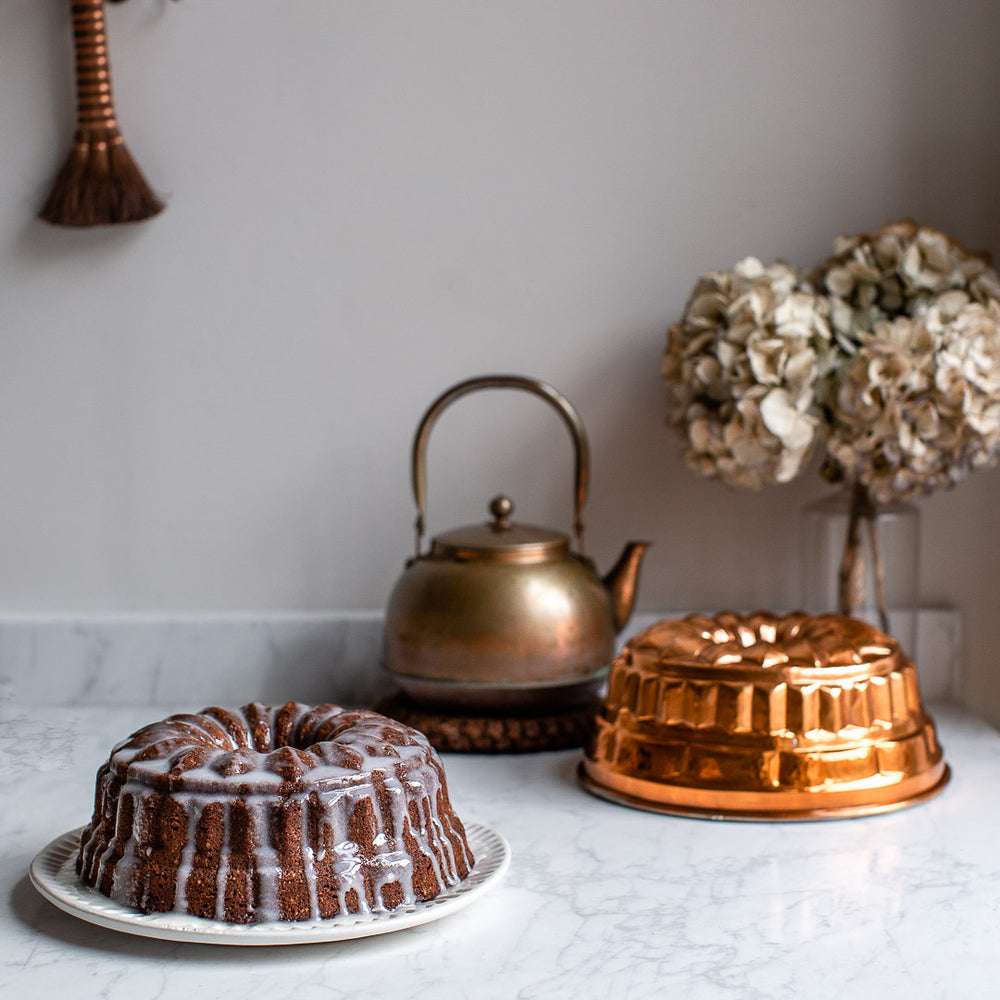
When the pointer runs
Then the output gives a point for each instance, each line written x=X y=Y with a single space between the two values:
x=99 y=184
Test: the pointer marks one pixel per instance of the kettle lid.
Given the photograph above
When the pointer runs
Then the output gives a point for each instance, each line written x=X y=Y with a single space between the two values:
x=500 y=538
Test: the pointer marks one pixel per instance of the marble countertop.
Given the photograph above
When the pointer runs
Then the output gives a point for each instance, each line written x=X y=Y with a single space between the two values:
x=599 y=900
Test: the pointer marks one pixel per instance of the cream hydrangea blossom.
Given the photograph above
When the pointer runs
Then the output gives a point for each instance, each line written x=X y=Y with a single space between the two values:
x=917 y=406
x=900 y=270
x=742 y=366
x=890 y=356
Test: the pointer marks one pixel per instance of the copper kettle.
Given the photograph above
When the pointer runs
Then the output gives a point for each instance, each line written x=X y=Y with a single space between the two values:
x=502 y=617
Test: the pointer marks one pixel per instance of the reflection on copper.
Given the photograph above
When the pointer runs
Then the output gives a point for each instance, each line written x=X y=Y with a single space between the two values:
x=764 y=717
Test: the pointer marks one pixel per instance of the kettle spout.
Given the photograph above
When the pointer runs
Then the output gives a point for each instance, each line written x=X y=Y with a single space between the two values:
x=622 y=582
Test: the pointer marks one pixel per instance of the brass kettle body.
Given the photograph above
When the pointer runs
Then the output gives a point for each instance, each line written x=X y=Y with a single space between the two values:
x=502 y=617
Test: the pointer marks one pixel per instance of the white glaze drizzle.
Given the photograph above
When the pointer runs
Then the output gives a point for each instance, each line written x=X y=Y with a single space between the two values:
x=266 y=862
x=308 y=859
x=222 y=877
x=193 y=812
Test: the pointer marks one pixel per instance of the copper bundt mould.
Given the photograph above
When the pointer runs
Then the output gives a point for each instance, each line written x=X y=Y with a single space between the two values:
x=764 y=718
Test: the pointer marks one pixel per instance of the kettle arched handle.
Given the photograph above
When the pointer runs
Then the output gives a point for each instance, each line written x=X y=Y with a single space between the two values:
x=581 y=450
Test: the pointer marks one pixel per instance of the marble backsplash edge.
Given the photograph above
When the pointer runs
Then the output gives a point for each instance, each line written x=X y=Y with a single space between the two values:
x=203 y=659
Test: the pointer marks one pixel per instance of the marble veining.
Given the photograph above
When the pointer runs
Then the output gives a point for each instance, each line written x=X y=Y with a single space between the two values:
x=230 y=659
x=211 y=659
x=600 y=900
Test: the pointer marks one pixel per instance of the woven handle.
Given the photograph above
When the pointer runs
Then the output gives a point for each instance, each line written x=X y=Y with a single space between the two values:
x=95 y=109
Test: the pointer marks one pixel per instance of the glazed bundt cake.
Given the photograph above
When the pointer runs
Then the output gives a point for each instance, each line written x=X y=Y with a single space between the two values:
x=266 y=814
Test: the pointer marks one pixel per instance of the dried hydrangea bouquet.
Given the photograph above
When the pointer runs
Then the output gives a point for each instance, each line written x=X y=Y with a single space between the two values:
x=887 y=358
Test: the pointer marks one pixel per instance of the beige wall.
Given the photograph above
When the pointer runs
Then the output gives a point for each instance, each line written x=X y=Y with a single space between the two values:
x=370 y=201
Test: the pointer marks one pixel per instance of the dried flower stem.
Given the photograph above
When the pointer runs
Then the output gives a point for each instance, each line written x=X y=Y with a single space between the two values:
x=851 y=576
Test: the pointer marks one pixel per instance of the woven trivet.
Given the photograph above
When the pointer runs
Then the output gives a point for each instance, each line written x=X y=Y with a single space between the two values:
x=494 y=734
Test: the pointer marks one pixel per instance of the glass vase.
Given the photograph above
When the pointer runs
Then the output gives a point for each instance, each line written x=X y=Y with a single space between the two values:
x=862 y=558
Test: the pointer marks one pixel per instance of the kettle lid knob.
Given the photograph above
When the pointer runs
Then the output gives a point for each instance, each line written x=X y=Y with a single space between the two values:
x=501 y=507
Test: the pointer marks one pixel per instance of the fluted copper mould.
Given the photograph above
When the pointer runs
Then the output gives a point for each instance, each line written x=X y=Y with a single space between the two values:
x=99 y=182
x=503 y=617
x=764 y=718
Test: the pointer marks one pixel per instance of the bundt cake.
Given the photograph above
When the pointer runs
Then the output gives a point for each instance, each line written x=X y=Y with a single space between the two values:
x=266 y=814
x=764 y=716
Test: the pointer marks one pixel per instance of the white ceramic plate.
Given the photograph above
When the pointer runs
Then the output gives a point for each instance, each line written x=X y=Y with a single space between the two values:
x=53 y=873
